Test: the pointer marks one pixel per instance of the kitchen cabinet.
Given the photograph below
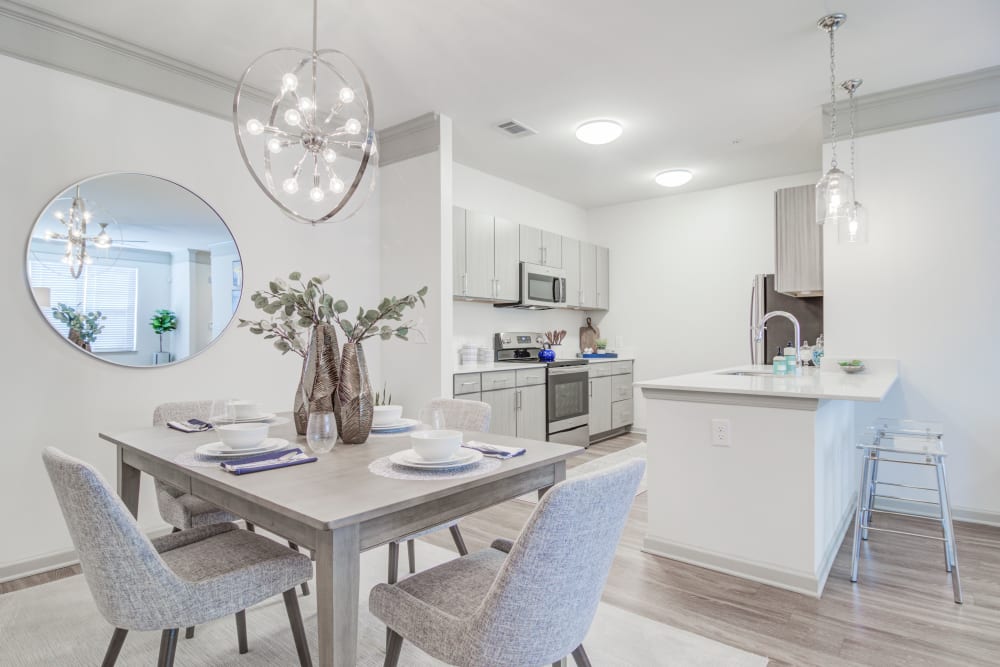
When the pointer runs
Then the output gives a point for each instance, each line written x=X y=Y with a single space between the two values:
x=611 y=403
x=603 y=278
x=503 y=403
x=571 y=267
x=588 y=276
x=485 y=256
x=600 y=405
x=798 y=242
x=621 y=414
x=538 y=246
x=530 y=406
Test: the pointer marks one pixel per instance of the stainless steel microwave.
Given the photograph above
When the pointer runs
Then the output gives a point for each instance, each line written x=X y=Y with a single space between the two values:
x=541 y=287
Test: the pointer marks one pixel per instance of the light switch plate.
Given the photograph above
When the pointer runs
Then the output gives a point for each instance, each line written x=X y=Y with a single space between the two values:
x=721 y=433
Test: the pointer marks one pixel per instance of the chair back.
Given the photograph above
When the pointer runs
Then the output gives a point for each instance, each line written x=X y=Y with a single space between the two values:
x=129 y=581
x=181 y=411
x=545 y=596
x=463 y=415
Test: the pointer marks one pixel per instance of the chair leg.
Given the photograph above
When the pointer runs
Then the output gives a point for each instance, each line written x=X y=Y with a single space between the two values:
x=393 y=563
x=411 y=551
x=392 y=648
x=956 y=583
x=251 y=527
x=241 y=631
x=859 y=518
x=872 y=487
x=189 y=633
x=305 y=585
x=580 y=657
x=298 y=630
x=114 y=647
x=168 y=648
x=456 y=535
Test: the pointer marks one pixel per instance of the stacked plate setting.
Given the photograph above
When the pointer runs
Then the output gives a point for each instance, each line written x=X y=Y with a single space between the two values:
x=221 y=450
x=410 y=459
x=401 y=425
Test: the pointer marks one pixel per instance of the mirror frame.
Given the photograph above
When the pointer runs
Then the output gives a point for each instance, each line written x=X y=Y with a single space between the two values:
x=48 y=325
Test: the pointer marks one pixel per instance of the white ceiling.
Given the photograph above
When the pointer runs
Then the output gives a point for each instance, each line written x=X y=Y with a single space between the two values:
x=686 y=79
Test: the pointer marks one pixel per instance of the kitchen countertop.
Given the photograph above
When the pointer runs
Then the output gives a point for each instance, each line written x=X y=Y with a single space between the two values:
x=488 y=366
x=830 y=383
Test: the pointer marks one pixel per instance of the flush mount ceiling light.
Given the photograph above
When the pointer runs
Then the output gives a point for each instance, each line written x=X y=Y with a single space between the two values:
x=673 y=178
x=835 y=191
x=309 y=144
x=598 y=132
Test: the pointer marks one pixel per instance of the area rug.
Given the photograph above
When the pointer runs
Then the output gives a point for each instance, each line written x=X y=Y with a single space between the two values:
x=633 y=452
x=58 y=624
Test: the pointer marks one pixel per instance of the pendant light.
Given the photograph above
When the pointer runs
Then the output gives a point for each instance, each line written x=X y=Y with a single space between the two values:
x=835 y=191
x=75 y=222
x=855 y=229
x=304 y=123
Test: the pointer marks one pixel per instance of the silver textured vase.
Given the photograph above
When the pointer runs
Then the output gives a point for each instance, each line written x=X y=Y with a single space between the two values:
x=320 y=377
x=353 y=400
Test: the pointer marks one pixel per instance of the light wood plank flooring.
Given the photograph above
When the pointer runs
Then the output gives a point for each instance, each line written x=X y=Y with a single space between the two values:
x=900 y=613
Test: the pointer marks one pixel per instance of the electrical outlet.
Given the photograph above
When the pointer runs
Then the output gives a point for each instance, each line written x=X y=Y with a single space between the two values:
x=721 y=433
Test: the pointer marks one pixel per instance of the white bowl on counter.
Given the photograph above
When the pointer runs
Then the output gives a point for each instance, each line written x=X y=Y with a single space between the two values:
x=386 y=415
x=242 y=436
x=437 y=445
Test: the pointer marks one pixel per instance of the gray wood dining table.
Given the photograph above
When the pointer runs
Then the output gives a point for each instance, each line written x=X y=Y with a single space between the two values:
x=336 y=507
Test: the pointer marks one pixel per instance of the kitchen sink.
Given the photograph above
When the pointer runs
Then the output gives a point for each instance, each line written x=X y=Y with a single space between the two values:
x=761 y=373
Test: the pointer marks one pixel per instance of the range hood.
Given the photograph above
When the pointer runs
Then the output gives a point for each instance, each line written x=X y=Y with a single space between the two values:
x=798 y=243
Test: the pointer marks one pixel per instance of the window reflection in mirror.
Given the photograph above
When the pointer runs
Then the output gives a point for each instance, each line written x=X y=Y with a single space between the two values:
x=134 y=269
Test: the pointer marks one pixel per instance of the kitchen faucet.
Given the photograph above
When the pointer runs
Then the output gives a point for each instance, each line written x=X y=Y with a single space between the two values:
x=758 y=331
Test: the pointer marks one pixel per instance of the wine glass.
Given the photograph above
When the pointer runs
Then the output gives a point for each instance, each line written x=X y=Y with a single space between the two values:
x=321 y=432
x=431 y=419
x=222 y=412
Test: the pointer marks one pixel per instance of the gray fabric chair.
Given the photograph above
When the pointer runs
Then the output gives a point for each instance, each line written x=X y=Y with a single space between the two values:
x=182 y=510
x=174 y=581
x=524 y=603
x=460 y=415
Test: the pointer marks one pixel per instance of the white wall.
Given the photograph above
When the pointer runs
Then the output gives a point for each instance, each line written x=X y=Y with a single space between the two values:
x=54 y=395
x=475 y=323
x=923 y=290
x=681 y=271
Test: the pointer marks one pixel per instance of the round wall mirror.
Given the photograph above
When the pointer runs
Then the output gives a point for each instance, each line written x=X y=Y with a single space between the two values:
x=134 y=269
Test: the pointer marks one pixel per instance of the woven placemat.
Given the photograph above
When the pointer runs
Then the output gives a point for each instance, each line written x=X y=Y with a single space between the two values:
x=383 y=467
x=193 y=459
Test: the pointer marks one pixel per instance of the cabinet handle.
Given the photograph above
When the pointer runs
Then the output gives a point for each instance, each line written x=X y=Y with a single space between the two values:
x=591 y=392
x=518 y=404
x=465 y=283
x=465 y=384
x=497 y=288
x=541 y=251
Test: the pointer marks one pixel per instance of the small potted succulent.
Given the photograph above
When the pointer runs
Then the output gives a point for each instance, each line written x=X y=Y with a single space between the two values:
x=602 y=345
x=385 y=413
x=163 y=321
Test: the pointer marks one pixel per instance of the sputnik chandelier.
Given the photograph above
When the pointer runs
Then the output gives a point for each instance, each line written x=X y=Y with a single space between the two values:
x=310 y=145
x=75 y=222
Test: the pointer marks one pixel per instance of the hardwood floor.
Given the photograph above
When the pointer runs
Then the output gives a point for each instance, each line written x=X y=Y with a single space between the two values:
x=900 y=613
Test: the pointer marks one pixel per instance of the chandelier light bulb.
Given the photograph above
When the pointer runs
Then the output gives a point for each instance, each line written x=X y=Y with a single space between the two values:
x=293 y=117
x=329 y=155
x=290 y=185
x=336 y=185
x=352 y=126
x=67 y=258
x=103 y=240
x=289 y=82
x=306 y=105
x=346 y=95
x=87 y=259
x=59 y=215
x=316 y=194
x=254 y=126
x=49 y=234
x=274 y=145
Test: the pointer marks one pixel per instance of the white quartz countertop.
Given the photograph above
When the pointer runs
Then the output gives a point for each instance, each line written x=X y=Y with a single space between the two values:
x=488 y=366
x=831 y=383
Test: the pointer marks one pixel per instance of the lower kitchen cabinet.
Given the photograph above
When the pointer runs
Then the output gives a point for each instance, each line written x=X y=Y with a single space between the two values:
x=621 y=414
x=611 y=405
x=503 y=402
x=530 y=405
x=600 y=405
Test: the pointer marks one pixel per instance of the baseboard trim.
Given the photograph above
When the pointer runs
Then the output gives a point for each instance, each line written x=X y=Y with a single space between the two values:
x=52 y=561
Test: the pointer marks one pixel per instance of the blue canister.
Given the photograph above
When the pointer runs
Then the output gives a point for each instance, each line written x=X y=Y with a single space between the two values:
x=546 y=354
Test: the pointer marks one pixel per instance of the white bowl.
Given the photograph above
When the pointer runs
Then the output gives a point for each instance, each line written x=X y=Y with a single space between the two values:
x=242 y=436
x=387 y=414
x=436 y=446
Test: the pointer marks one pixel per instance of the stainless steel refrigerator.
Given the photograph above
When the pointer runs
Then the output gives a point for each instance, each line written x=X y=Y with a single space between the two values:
x=779 y=333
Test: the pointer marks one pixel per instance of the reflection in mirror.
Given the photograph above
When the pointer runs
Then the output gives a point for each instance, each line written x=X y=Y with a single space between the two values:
x=134 y=269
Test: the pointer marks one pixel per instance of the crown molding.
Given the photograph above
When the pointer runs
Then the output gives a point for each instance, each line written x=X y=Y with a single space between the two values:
x=409 y=139
x=969 y=94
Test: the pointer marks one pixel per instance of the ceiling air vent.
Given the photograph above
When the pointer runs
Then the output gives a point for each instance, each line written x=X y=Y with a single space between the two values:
x=515 y=129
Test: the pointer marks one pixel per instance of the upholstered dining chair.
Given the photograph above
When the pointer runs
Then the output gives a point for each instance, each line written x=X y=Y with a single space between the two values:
x=460 y=415
x=524 y=603
x=174 y=581
x=182 y=510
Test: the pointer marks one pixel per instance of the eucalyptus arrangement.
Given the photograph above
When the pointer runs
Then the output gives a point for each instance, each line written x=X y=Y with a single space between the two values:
x=163 y=321
x=83 y=327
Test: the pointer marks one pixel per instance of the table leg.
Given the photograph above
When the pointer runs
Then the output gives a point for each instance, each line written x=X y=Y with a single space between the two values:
x=128 y=484
x=338 y=573
x=558 y=475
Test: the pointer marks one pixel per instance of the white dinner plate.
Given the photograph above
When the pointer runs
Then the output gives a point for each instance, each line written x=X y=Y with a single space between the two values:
x=403 y=423
x=409 y=459
x=217 y=449
x=259 y=418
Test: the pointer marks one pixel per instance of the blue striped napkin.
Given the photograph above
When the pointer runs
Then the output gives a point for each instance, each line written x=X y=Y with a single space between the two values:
x=494 y=451
x=269 y=461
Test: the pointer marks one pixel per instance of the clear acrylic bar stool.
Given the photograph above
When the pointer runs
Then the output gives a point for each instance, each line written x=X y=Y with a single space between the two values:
x=905 y=442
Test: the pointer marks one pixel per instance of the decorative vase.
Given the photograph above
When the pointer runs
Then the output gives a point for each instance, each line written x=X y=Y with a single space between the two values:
x=320 y=377
x=353 y=400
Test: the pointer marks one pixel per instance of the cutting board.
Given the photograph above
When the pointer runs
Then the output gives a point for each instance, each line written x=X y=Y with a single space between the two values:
x=588 y=336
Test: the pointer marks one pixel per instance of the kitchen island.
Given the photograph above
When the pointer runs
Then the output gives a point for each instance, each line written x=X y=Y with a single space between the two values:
x=756 y=475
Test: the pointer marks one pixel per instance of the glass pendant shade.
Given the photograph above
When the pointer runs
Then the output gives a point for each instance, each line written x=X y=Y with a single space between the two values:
x=855 y=229
x=834 y=197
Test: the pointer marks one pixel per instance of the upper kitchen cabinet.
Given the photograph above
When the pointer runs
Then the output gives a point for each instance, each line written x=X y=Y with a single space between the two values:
x=798 y=243
x=603 y=277
x=485 y=256
x=541 y=247
x=595 y=277
x=571 y=267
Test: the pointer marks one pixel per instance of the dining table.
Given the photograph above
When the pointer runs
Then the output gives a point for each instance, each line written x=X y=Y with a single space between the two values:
x=336 y=507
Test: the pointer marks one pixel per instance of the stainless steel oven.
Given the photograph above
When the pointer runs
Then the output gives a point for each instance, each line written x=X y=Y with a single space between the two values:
x=568 y=405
